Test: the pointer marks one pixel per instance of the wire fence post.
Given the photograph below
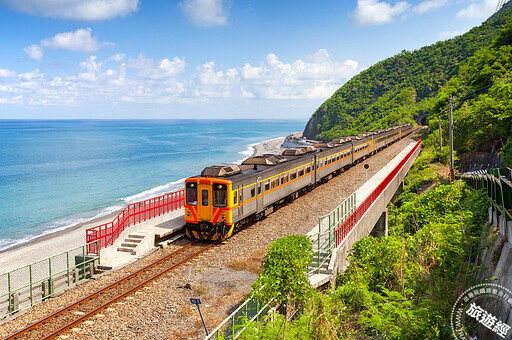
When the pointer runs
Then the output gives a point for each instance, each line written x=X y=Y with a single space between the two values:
x=9 y=292
x=83 y=262
x=50 y=278
x=30 y=283
x=99 y=251
x=67 y=267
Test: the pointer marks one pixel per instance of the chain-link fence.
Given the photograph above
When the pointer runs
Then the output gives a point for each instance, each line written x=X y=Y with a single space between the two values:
x=324 y=241
x=23 y=287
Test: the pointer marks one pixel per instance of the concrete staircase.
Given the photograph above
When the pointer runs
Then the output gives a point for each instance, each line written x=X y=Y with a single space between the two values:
x=130 y=243
x=324 y=269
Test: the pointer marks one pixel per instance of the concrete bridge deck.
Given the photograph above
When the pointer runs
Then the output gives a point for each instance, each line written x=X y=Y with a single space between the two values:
x=375 y=215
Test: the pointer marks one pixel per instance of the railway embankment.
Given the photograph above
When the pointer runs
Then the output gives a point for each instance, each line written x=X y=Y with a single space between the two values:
x=405 y=285
x=220 y=277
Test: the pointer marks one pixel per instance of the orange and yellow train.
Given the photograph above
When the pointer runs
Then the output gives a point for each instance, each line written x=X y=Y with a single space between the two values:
x=224 y=197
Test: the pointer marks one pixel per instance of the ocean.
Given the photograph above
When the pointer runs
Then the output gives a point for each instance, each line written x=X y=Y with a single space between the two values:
x=57 y=173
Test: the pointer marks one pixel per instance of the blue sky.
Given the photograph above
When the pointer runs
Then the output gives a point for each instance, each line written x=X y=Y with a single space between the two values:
x=204 y=58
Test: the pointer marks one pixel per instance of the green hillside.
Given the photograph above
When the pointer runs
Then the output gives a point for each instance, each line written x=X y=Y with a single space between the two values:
x=483 y=100
x=402 y=87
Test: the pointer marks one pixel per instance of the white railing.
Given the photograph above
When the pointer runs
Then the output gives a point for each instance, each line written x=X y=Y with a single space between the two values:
x=324 y=240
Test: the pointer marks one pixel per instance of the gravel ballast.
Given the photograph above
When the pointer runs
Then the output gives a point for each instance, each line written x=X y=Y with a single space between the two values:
x=220 y=277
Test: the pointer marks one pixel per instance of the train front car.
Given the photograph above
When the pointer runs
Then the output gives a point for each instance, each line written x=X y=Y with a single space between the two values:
x=208 y=206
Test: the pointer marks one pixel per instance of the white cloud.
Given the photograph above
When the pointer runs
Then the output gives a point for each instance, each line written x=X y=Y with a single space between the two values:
x=74 y=9
x=80 y=40
x=117 y=57
x=480 y=10
x=144 y=80
x=449 y=34
x=90 y=69
x=374 y=12
x=209 y=82
x=205 y=12
x=429 y=5
x=316 y=77
x=34 y=51
x=163 y=69
x=29 y=76
x=5 y=73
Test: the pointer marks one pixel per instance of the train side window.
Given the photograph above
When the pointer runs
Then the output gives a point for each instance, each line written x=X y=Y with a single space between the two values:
x=253 y=192
x=275 y=183
x=259 y=188
x=267 y=186
x=191 y=193
x=282 y=180
x=308 y=170
x=235 y=197
x=220 y=195
x=301 y=172
x=204 y=197
x=293 y=175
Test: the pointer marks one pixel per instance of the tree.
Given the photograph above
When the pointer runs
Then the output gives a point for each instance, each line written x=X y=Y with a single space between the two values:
x=284 y=276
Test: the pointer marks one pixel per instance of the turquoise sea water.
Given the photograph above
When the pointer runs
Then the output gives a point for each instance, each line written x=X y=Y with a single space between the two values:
x=57 y=173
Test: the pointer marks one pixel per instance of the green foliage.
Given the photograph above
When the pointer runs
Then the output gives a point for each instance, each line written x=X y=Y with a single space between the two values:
x=403 y=286
x=398 y=287
x=483 y=99
x=403 y=87
x=284 y=275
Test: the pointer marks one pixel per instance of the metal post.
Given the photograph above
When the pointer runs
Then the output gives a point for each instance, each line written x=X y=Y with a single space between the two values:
x=197 y=302
x=451 y=133
x=67 y=266
x=99 y=251
x=9 y=289
x=440 y=136
x=30 y=273
x=330 y=228
x=204 y=324
x=50 y=288
x=318 y=251
x=83 y=260
x=233 y=325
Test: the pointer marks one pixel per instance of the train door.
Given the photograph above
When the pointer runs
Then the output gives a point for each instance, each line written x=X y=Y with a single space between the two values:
x=204 y=207
x=259 y=199
x=240 y=201
x=313 y=166
x=352 y=152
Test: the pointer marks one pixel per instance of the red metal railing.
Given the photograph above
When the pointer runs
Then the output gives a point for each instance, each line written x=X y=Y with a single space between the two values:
x=136 y=212
x=352 y=220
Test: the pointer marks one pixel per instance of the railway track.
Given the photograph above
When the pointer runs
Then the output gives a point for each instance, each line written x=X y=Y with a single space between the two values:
x=71 y=315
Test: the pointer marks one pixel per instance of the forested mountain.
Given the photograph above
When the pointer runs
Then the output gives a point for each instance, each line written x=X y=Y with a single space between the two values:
x=402 y=87
x=483 y=99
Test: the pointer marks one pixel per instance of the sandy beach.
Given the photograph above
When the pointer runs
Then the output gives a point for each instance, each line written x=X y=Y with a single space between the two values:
x=272 y=146
x=48 y=245
x=60 y=241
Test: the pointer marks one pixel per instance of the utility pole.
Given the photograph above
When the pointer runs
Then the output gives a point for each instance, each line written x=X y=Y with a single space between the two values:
x=440 y=136
x=452 y=167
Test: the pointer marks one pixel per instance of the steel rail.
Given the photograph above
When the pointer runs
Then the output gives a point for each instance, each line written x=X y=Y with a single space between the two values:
x=63 y=310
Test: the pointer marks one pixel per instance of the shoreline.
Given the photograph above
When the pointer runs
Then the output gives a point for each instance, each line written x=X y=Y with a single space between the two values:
x=55 y=234
x=270 y=146
x=52 y=243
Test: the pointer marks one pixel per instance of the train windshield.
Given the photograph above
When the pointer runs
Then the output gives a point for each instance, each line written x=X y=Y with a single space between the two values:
x=220 y=195
x=191 y=193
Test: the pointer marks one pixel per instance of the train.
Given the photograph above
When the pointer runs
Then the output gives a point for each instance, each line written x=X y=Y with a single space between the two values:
x=227 y=196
